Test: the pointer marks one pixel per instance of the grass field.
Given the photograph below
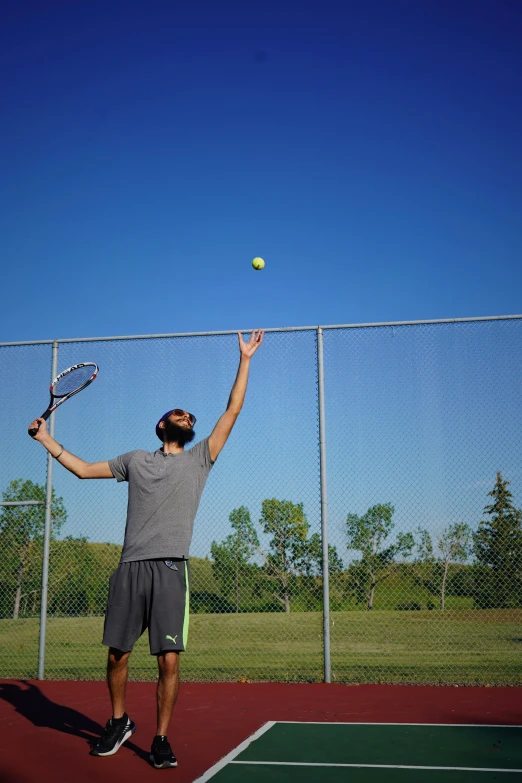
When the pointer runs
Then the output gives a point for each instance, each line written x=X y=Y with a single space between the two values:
x=458 y=647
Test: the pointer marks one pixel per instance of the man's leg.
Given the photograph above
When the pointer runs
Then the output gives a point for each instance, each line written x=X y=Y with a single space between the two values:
x=120 y=727
x=167 y=690
x=124 y=621
x=117 y=672
x=168 y=625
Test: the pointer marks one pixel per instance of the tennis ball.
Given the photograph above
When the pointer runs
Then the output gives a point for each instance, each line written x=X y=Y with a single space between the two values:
x=258 y=263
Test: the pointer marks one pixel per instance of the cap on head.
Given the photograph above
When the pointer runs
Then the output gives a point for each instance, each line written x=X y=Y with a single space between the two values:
x=160 y=430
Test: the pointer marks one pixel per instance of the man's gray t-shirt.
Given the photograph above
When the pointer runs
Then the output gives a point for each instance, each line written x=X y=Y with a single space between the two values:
x=164 y=495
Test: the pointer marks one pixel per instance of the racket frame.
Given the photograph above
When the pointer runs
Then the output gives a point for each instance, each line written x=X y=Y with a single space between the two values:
x=58 y=399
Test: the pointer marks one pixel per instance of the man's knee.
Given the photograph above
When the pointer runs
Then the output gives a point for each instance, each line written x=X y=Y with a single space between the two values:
x=168 y=662
x=117 y=658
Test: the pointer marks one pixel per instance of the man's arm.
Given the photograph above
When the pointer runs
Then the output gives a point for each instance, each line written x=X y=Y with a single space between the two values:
x=224 y=426
x=76 y=465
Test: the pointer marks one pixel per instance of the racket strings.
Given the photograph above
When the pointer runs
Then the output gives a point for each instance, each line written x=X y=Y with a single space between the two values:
x=73 y=380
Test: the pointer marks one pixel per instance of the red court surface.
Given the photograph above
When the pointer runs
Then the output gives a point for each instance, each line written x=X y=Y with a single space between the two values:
x=45 y=726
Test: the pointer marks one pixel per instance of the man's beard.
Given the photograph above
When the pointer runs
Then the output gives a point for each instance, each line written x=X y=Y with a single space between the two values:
x=176 y=434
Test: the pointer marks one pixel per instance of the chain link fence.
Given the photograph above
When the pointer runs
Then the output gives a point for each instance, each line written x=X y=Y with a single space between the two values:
x=423 y=423
x=422 y=482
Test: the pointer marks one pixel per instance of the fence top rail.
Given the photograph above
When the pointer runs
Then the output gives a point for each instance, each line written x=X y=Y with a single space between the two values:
x=271 y=329
x=23 y=503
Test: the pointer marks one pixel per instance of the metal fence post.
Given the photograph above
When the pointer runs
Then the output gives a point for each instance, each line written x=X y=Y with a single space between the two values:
x=47 y=532
x=324 y=506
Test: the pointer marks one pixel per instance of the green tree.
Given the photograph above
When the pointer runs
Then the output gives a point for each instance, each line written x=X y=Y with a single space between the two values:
x=426 y=567
x=22 y=528
x=454 y=545
x=292 y=564
x=310 y=564
x=498 y=549
x=288 y=527
x=369 y=534
x=231 y=556
x=312 y=561
x=77 y=578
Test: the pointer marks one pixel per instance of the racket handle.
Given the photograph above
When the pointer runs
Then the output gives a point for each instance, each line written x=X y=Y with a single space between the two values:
x=33 y=431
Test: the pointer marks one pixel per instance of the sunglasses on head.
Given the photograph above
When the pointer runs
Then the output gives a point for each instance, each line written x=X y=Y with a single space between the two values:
x=179 y=412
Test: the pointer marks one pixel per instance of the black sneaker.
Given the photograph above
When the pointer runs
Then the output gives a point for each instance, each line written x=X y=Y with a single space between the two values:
x=113 y=736
x=161 y=753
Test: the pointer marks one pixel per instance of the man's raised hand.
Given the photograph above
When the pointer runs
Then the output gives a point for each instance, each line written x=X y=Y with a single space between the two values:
x=41 y=426
x=248 y=349
x=222 y=430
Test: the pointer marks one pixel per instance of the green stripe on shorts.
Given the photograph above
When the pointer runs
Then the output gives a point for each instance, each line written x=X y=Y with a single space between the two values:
x=187 y=608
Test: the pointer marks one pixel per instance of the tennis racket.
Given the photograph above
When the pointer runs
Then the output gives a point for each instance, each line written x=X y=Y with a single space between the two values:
x=68 y=383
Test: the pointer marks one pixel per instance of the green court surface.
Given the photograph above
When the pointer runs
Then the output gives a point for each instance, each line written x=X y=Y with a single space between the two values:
x=367 y=752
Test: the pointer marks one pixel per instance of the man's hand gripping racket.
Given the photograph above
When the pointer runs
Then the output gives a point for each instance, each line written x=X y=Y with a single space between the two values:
x=68 y=383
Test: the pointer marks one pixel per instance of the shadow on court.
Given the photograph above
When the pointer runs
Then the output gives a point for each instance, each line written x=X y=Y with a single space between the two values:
x=29 y=701
x=46 y=726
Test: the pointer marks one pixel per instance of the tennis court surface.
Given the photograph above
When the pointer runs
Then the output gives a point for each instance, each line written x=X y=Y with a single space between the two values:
x=285 y=752
x=224 y=732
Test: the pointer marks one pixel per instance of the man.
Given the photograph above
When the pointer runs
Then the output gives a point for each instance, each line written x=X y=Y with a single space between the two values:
x=150 y=587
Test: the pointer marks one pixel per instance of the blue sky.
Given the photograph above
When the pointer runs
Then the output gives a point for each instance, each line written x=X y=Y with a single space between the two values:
x=370 y=152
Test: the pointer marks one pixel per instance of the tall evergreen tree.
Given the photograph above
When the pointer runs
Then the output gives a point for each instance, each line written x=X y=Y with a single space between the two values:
x=498 y=549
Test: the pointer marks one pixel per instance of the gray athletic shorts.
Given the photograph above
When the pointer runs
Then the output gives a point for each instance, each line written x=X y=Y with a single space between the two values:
x=151 y=594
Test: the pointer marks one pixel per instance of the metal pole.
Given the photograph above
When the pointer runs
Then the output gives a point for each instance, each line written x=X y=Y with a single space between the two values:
x=47 y=532
x=324 y=507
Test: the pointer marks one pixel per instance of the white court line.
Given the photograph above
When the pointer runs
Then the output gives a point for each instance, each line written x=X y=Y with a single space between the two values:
x=372 y=766
x=228 y=759
x=233 y=753
x=372 y=723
